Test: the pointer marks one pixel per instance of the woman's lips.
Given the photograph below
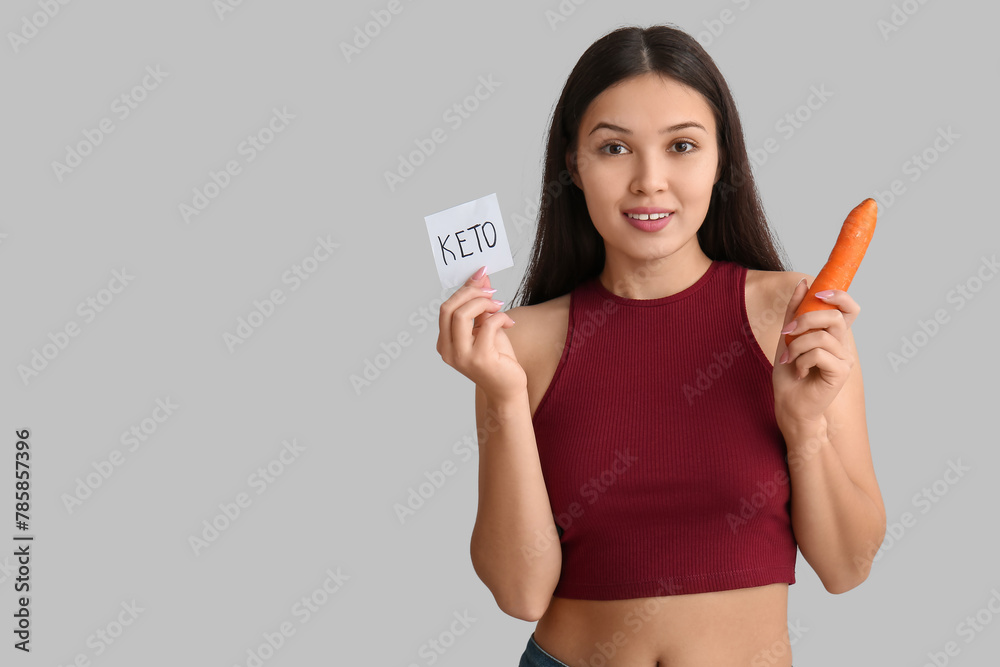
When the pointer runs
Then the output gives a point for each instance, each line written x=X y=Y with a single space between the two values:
x=648 y=225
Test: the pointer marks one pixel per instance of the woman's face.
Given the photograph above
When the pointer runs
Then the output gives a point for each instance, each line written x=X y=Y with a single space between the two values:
x=648 y=142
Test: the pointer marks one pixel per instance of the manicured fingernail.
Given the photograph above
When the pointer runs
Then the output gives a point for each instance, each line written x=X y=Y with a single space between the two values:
x=499 y=303
x=784 y=357
x=790 y=328
x=490 y=291
x=480 y=273
x=825 y=294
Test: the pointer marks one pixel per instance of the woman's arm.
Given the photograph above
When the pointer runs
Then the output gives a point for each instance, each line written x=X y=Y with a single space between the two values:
x=837 y=510
x=515 y=547
x=838 y=514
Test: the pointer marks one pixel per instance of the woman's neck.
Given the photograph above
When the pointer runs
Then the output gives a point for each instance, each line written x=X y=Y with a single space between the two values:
x=653 y=278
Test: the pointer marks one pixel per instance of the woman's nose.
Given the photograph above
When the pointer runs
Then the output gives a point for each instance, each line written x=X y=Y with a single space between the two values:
x=650 y=175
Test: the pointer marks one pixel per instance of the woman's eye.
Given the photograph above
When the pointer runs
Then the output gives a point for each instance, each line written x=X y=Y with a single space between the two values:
x=609 y=148
x=612 y=146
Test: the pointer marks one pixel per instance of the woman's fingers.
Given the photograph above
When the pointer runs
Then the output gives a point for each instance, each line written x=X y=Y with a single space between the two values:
x=471 y=288
x=843 y=301
x=793 y=302
x=817 y=320
x=817 y=339
x=485 y=285
x=464 y=318
x=487 y=333
x=842 y=316
x=833 y=321
x=827 y=362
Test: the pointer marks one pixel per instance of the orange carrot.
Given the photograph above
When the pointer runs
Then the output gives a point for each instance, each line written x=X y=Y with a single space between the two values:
x=839 y=270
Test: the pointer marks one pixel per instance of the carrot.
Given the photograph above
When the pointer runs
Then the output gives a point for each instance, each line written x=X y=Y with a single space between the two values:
x=839 y=270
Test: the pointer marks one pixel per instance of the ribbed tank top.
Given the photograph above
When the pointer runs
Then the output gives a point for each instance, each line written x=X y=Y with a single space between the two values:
x=664 y=465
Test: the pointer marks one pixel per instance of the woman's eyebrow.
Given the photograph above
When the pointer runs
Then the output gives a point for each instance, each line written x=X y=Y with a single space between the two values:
x=672 y=128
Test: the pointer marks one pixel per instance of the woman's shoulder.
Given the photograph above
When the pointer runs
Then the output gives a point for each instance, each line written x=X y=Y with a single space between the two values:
x=766 y=297
x=538 y=338
x=538 y=325
x=771 y=282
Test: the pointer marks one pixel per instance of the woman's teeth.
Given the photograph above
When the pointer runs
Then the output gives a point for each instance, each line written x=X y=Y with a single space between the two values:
x=644 y=216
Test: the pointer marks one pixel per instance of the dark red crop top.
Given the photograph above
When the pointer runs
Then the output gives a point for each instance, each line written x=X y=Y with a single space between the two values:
x=665 y=468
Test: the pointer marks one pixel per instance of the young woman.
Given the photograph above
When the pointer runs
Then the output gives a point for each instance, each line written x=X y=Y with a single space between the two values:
x=651 y=452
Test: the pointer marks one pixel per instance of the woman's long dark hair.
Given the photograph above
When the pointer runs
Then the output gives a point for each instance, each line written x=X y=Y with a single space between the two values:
x=568 y=249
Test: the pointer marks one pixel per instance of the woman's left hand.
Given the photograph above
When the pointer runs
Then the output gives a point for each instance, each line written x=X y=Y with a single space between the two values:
x=809 y=372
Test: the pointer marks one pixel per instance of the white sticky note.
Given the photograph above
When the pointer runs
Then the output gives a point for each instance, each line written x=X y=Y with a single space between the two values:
x=467 y=236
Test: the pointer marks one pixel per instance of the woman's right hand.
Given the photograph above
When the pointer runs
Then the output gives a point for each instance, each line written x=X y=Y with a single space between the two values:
x=471 y=339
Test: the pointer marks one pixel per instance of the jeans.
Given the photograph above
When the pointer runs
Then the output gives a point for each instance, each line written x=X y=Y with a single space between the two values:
x=534 y=656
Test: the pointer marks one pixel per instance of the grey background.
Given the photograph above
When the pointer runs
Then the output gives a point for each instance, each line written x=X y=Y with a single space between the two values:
x=323 y=175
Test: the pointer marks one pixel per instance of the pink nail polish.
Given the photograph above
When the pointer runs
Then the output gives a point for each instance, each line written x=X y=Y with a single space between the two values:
x=790 y=328
x=499 y=303
x=480 y=273
x=490 y=291
x=824 y=294
x=784 y=357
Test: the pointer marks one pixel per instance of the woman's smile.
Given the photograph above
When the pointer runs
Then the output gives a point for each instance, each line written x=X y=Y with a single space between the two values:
x=648 y=222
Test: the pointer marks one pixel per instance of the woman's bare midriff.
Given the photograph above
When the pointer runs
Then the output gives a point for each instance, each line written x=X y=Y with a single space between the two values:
x=746 y=626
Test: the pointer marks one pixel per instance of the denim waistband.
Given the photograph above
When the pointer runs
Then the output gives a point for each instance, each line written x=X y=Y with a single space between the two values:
x=535 y=656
